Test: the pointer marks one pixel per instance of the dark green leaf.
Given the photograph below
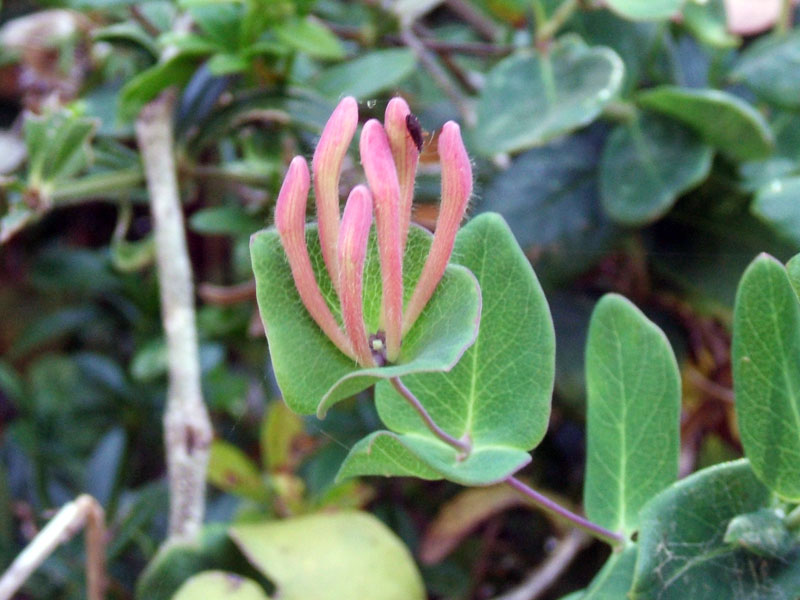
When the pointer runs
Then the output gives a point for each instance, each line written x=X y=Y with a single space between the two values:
x=646 y=165
x=777 y=205
x=634 y=400
x=726 y=122
x=766 y=374
x=682 y=553
x=769 y=68
x=530 y=98
x=310 y=36
x=366 y=75
x=762 y=532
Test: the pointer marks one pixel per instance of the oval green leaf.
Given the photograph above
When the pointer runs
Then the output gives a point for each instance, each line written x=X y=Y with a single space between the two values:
x=766 y=374
x=726 y=122
x=777 y=205
x=219 y=585
x=682 y=552
x=331 y=557
x=633 y=402
x=311 y=372
x=646 y=165
x=646 y=10
x=366 y=75
x=311 y=36
x=530 y=97
x=769 y=68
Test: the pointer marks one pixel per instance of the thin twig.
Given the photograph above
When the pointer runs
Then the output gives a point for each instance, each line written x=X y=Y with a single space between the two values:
x=82 y=512
x=187 y=429
x=440 y=433
x=547 y=505
x=439 y=75
x=225 y=295
x=551 y=569
x=475 y=19
x=709 y=387
x=541 y=501
x=452 y=47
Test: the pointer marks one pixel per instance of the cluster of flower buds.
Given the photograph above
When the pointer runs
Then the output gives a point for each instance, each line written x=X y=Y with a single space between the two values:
x=389 y=155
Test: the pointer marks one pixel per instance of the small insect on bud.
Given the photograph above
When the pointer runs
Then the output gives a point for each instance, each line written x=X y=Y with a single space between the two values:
x=405 y=141
x=290 y=221
x=456 y=190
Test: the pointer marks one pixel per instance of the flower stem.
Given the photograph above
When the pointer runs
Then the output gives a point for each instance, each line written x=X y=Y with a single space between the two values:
x=547 y=505
x=548 y=29
x=440 y=433
x=543 y=502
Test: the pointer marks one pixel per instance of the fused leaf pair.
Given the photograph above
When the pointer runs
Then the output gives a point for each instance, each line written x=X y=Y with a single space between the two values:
x=368 y=305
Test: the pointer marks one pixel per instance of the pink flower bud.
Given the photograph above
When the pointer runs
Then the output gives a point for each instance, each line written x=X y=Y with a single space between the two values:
x=327 y=165
x=399 y=124
x=456 y=190
x=353 y=238
x=379 y=167
x=290 y=221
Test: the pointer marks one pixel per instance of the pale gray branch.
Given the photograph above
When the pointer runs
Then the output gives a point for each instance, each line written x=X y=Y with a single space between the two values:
x=73 y=516
x=186 y=424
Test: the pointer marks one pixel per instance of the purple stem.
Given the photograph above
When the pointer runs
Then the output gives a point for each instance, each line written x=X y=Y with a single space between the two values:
x=601 y=533
x=543 y=502
x=440 y=433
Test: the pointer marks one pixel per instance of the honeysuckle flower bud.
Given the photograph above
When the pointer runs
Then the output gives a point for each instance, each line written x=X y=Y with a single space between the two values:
x=456 y=190
x=353 y=238
x=290 y=221
x=379 y=167
x=326 y=165
x=399 y=124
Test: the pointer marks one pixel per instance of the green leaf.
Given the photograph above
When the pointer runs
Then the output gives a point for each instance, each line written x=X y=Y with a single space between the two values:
x=420 y=455
x=646 y=165
x=149 y=83
x=176 y=562
x=549 y=195
x=58 y=147
x=498 y=395
x=232 y=471
x=776 y=204
x=470 y=400
x=224 y=220
x=310 y=36
x=280 y=428
x=531 y=97
x=331 y=557
x=227 y=63
x=219 y=585
x=793 y=271
x=615 y=578
x=682 y=553
x=762 y=532
x=311 y=372
x=769 y=68
x=646 y=10
x=366 y=75
x=634 y=399
x=632 y=41
x=707 y=21
x=726 y=122
x=766 y=374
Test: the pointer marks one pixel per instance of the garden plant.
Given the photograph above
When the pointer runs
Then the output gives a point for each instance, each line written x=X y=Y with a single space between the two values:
x=495 y=299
